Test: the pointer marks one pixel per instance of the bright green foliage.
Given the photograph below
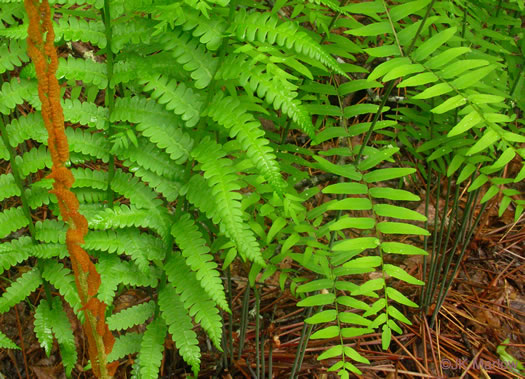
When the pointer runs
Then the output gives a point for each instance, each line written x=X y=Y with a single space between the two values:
x=222 y=124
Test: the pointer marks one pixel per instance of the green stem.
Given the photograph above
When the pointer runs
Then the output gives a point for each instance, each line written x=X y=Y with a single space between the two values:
x=110 y=94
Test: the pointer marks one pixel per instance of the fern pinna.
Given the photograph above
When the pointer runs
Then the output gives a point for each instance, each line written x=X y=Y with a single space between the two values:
x=149 y=141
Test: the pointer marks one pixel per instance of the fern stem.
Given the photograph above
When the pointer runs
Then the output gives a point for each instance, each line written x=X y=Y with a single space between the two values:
x=420 y=27
x=425 y=239
x=433 y=258
x=301 y=347
x=110 y=94
x=446 y=288
x=25 y=204
x=244 y=319
x=257 y=330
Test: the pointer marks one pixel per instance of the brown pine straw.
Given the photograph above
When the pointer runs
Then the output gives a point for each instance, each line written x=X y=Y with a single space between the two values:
x=42 y=51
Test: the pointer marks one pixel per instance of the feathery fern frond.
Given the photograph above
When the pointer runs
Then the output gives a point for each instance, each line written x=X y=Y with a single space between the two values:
x=27 y=127
x=20 y=289
x=63 y=280
x=158 y=125
x=14 y=252
x=8 y=187
x=51 y=319
x=125 y=344
x=180 y=327
x=220 y=174
x=6 y=343
x=90 y=72
x=194 y=58
x=151 y=348
x=194 y=249
x=12 y=55
x=265 y=27
x=15 y=92
x=255 y=79
x=195 y=299
x=50 y=231
x=129 y=317
x=230 y=113
x=175 y=97
x=126 y=216
x=11 y=220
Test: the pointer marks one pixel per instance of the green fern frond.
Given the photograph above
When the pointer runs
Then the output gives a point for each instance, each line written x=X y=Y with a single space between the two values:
x=85 y=113
x=91 y=144
x=129 y=317
x=11 y=12
x=8 y=187
x=85 y=177
x=155 y=123
x=277 y=91
x=266 y=28
x=137 y=192
x=56 y=319
x=51 y=231
x=125 y=344
x=14 y=252
x=127 y=216
x=63 y=280
x=147 y=156
x=168 y=187
x=220 y=174
x=11 y=220
x=192 y=55
x=130 y=66
x=20 y=289
x=75 y=29
x=151 y=349
x=90 y=72
x=175 y=97
x=113 y=271
x=195 y=299
x=17 y=91
x=35 y=159
x=27 y=127
x=198 y=195
x=198 y=258
x=210 y=31
x=180 y=327
x=6 y=343
x=42 y=325
x=230 y=113
x=141 y=247
x=137 y=31
x=12 y=55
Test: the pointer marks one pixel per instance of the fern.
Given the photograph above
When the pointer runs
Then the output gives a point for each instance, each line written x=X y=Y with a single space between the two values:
x=12 y=55
x=230 y=113
x=21 y=288
x=126 y=344
x=151 y=347
x=6 y=343
x=180 y=121
x=63 y=280
x=198 y=304
x=11 y=220
x=176 y=97
x=180 y=327
x=194 y=249
x=220 y=175
x=50 y=319
x=132 y=316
